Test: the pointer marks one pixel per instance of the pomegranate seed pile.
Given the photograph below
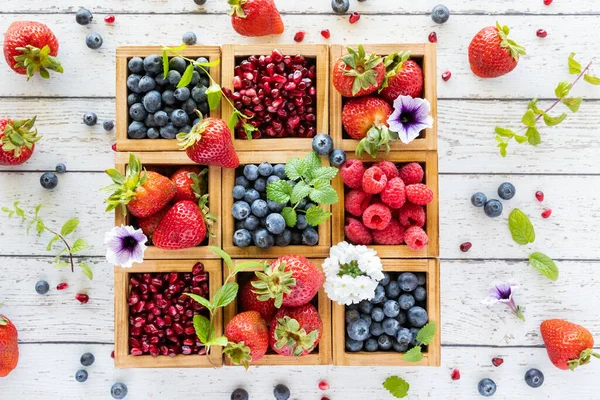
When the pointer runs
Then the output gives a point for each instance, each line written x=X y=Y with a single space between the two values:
x=161 y=316
x=279 y=93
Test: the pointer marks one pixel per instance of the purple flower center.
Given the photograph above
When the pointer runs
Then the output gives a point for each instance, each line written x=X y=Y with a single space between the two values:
x=129 y=243
x=504 y=292
x=407 y=117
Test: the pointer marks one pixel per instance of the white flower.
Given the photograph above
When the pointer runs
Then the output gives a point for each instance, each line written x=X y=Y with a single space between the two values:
x=125 y=245
x=351 y=273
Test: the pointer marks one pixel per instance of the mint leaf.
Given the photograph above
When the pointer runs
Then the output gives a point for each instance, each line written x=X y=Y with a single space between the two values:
x=214 y=95
x=219 y=341
x=186 y=78
x=398 y=387
x=533 y=106
x=323 y=193
x=521 y=227
x=86 y=270
x=502 y=147
x=574 y=67
x=202 y=327
x=529 y=118
x=201 y=300
x=413 y=355
x=312 y=161
x=300 y=191
x=427 y=333
x=324 y=173
x=504 y=132
x=248 y=264
x=79 y=245
x=553 y=121
x=289 y=215
x=223 y=255
x=315 y=215
x=562 y=90
x=225 y=294
x=69 y=226
x=573 y=103
x=521 y=139
x=591 y=79
x=233 y=121
x=544 y=264
x=533 y=136
x=249 y=130
x=295 y=168
x=279 y=191
x=165 y=61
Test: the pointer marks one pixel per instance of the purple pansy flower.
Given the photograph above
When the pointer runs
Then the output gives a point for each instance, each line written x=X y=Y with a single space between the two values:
x=125 y=245
x=410 y=117
x=502 y=292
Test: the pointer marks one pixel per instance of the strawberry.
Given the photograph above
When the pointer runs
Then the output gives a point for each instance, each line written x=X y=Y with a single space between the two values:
x=18 y=141
x=209 y=143
x=568 y=345
x=191 y=183
x=365 y=118
x=296 y=331
x=255 y=17
x=31 y=47
x=248 y=337
x=249 y=302
x=9 y=346
x=492 y=54
x=403 y=77
x=291 y=280
x=149 y=224
x=357 y=74
x=143 y=193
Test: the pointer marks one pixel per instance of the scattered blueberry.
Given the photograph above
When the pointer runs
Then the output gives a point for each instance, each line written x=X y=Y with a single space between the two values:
x=189 y=38
x=322 y=144
x=90 y=118
x=385 y=342
x=340 y=6
x=200 y=3
x=87 y=359
x=486 y=387
x=408 y=281
x=506 y=191
x=49 y=180
x=84 y=16
x=240 y=210
x=337 y=157
x=358 y=330
x=108 y=125
x=371 y=344
x=118 y=391
x=242 y=238
x=93 y=40
x=42 y=287
x=281 y=392
x=534 y=378
x=493 y=208
x=263 y=239
x=239 y=394
x=310 y=237
x=81 y=375
x=417 y=316
x=478 y=199
x=60 y=168
x=440 y=14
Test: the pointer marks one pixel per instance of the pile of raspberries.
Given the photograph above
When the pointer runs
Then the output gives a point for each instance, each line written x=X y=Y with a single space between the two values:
x=385 y=204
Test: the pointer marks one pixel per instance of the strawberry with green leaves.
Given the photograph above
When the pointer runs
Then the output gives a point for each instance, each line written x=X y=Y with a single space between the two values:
x=249 y=301
x=492 y=53
x=248 y=337
x=358 y=74
x=255 y=17
x=17 y=141
x=366 y=119
x=296 y=331
x=568 y=345
x=209 y=143
x=403 y=77
x=9 y=346
x=149 y=224
x=191 y=182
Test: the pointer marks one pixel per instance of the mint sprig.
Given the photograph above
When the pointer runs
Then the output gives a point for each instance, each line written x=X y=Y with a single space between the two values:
x=544 y=264
x=397 y=386
x=424 y=337
x=521 y=228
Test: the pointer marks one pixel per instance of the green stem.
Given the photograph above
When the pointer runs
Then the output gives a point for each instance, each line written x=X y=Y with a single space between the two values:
x=61 y=237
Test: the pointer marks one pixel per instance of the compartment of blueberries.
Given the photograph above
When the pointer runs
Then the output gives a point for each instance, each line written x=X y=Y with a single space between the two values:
x=391 y=320
x=258 y=221
x=157 y=108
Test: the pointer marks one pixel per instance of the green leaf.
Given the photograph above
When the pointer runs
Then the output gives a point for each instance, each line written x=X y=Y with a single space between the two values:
x=295 y=168
x=324 y=173
x=79 y=245
x=562 y=90
x=300 y=191
x=533 y=106
x=219 y=341
x=544 y=264
x=69 y=226
x=61 y=264
x=594 y=80
x=202 y=300
x=413 y=355
x=165 y=61
x=520 y=227
x=37 y=210
x=233 y=121
x=529 y=118
x=427 y=333
x=521 y=139
x=86 y=270
x=507 y=133
x=313 y=161
x=202 y=327
x=573 y=103
x=553 y=121
x=574 y=66
x=533 y=136
x=225 y=294
x=289 y=214
x=214 y=95
x=51 y=242
x=502 y=147
x=248 y=264
x=39 y=227
x=249 y=129
x=323 y=193
x=315 y=215
x=398 y=387
x=279 y=191
x=223 y=255
x=186 y=78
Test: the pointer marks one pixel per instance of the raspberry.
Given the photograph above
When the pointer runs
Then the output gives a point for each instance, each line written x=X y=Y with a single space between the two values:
x=416 y=238
x=373 y=181
x=388 y=168
x=419 y=193
x=352 y=173
x=356 y=232
x=377 y=216
x=411 y=214
x=412 y=173
x=394 y=194
x=357 y=201
x=392 y=234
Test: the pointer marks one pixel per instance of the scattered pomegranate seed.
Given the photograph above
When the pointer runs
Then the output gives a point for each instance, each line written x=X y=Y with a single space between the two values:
x=299 y=36
x=539 y=195
x=354 y=17
x=62 y=286
x=541 y=33
x=547 y=213
x=547 y=2
x=497 y=361
x=446 y=76
x=323 y=385
x=455 y=375
x=114 y=147
x=112 y=354
x=433 y=37
x=325 y=33
x=466 y=246
x=324 y=398
x=109 y=19
x=82 y=297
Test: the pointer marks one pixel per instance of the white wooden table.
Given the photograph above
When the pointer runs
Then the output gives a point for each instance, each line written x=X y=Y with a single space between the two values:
x=54 y=330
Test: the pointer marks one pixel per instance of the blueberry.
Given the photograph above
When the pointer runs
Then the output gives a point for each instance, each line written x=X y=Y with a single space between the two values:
x=146 y=83
x=177 y=64
x=421 y=278
x=136 y=130
x=251 y=172
x=352 y=306
x=281 y=392
x=153 y=133
x=478 y=199
x=337 y=157
x=179 y=118
x=534 y=378
x=493 y=208
x=358 y=330
x=201 y=60
x=133 y=83
x=377 y=314
x=182 y=94
x=309 y=205
x=49 y=180
x=239 y=225
x=185 y=129
x=189 y=106
x=195 y=78
x=90 y=118
x=420 y=293
x=340 y=6
x=391 y=308
x=118 y=391
x=276 y=224
x=161 y=118
x=486 y=387
x=152 y=101
x=279 y=171
x=506 y=191
x=406 y=301
x=242 y=238
x=200 y=2
x=322 y=144
x=240 y=210
x=133 y=98
x=310 y=237
x=417 y=316
x=284 y=238
x=149 y=121
x=240 y=180
x=296 y=237
x=371 y=344
x=260 y=184
x=263 y=239
x=93 y=40
x=238 y=192
x=379 y=295
x=204 y=81
x=292 y=183
x=138 y=112
x=260 y=208
x=367 y=317
x=404 y=336
x=275 y=206
x=440 y=14
x=414 y=332
x=392 y=290
x=168 y=97
x=42 y=287
x=385 y=342
x=376 y=328
x=135 y=65
x=408 y=281
x=301 y=204
x=239 y=394
x=108 y=125
x=153 y=64
x=390 y=326
x=272 y=178
x=365 y=306
x=399 y=347
x=160 y=80
x=199 y=93
x=83 y=16
x=401 y=317
x=60 y=168
x=251 y=196
x=189 y=38
x=87 y=359
x=81 y=375
x=352 y=315
x=301 y=222
x=173 y=77
x=353 y=345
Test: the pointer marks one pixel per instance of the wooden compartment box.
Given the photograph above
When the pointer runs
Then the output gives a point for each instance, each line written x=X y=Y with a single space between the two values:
x=167 y=163
x=122 y=288
x=425 y=55
x=432 y=353
x=317 y=53
x=429 y=162
x=321 y=249
x=320 y=356
x=124 y=54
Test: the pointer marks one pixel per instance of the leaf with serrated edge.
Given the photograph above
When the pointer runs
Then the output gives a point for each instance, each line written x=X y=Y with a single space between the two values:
x=324 y=173
x=202 y=300
x=521 y=228
x=223 y=255
x=315 y=215
x=299 y=192
x=528 y=118
x=413 y=355
x=573 y=103
x=323 y=193
x=289 y=215
x=279 y=191
x=69 y=226
x=427 y=333
x=225 y=294
x=295 y=168
x=398 y=387
x=313 y=161
x=544 y=264
x=202 y=327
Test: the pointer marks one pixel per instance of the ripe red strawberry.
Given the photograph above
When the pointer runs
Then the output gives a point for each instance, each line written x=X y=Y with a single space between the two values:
x=296 y=331
x=249 y=302
x=182 y=227
x=255 y=17
x=149 y=224
x=143 y=193
x=9 y=346
x=209 y=143
x=191 y=183
x=31 y=47
x=568 y=345
x=492 y=54
x=403 y=77
x=365 y=119
x=291 y=280
x=248 y=337
x=358 y=74
x=17 y=141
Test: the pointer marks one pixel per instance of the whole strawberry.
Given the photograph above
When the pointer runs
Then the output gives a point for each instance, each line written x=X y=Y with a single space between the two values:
x=9 y=346
x=149 y=224
x=492 y=54
x=249 y=301
x=248 y=337
x=209 y=143
x=191 y=183
x=31 y=47
x=291 y=280
x=182 y=227
x=403 y=77
x=255 y=17
x=358 y=74
x=568 y=345
x=17 y=140
x=296 y=331
x=365 y=119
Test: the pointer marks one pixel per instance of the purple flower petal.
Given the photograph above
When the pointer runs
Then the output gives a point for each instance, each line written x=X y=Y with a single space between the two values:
x=410 y=117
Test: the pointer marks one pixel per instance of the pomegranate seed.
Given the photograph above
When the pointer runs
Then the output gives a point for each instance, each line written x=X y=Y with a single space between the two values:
x=547 y=212
x=136 y=351
x=466 y=246
x=109 y=19
x=62 y=286
x=324 y=398
x=455 y=375
x=114 y=147
x=82 y=297
x=354 y=17
x=323 y=385
x=497 y=361
x=433 y=37
x=541 y=33
x=112 y=354
x=539 y=195
x=325 y=33
x=547 y=2
x=299 y=36
x=446 y=76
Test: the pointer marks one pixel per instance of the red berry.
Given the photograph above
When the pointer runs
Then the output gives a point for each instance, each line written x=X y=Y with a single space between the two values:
x=352 y=173
x=466 y=246
x=547 y=212
x=114 y=147
x=497 y=361
x=433 y=37
x=446 y=76
x=539 y=195
x=416 y=238
x=324 y=398
x=393 y=234
x=109 y=19
x=419 y=193
x=547 y=2
x=82 y=297
x=377 y=216
x=412 y=173
x=354 y=17
x=356 y=232
x=412 y=214
x=394 y=193
x=299 y=36
x=541 y=33
x=388 y=168
x=62 y=286
x=323 y=385
x=325 y=33
x=356 y=202
x=112 y=354
x=455 y=375
x=374 y=180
